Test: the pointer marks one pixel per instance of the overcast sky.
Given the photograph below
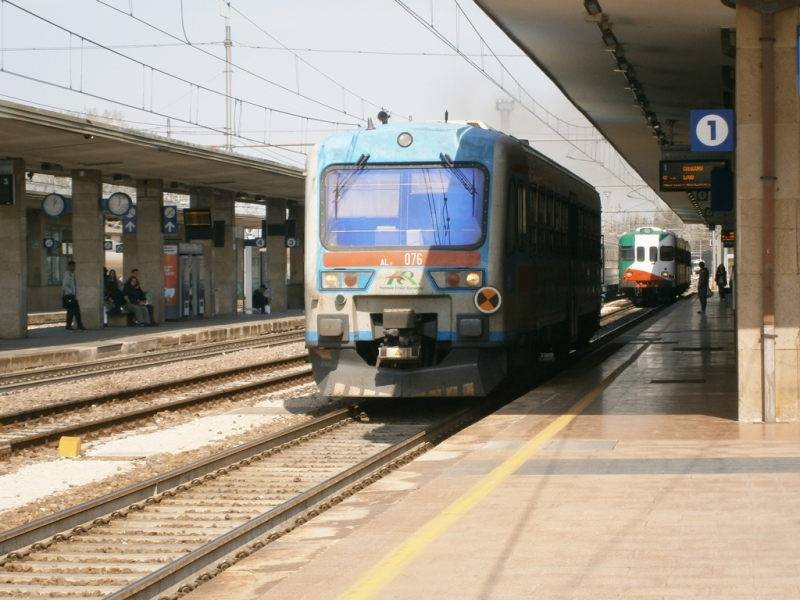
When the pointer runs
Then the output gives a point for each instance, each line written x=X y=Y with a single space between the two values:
x=302 y=70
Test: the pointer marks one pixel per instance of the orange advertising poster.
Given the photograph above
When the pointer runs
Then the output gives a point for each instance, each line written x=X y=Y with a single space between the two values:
x=170 y=276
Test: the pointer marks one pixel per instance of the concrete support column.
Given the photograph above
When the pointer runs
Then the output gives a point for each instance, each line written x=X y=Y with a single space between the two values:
x=297 y=256
x=762 y=358
x=224 y=264
x=87 y=243
x=220 y=261
x=14 y=274
x=149 y=242
x=202 y=197
x=276 y=250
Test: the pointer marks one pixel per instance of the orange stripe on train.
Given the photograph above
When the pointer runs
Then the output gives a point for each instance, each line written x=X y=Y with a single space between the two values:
x=401 y=259
x=636 y=275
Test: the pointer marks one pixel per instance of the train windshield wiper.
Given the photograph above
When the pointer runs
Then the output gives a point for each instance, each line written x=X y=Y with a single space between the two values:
x=341 y=188
x=468 y=185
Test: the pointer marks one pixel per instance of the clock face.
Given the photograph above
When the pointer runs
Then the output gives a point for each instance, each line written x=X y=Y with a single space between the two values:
x=53 y=205
x=119 y=203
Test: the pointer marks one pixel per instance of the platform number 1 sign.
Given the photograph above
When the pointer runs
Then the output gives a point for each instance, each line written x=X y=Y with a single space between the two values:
x=712 y=130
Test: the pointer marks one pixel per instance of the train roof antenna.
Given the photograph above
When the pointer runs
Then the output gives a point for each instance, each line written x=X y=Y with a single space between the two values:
x=445 y=116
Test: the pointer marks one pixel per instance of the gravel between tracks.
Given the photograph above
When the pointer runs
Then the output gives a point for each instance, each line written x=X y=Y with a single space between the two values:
x=102 y=384
x=37 y=483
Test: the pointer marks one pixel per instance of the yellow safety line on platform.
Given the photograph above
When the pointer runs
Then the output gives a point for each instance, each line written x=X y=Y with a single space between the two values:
x=374 y=580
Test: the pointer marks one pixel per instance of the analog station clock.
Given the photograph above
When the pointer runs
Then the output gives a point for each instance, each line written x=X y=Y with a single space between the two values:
x=119 y=203
x=54 y=205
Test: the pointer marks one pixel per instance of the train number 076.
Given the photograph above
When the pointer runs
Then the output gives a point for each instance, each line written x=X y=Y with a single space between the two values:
x=413 y=258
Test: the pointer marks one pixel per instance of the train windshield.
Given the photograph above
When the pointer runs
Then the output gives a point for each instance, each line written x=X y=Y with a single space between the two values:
x=431 y=205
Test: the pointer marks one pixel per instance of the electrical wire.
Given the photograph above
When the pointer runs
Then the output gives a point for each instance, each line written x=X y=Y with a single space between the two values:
x=297 y=57
x=238 y=67
x=626 y=177
x=161 y=71
x=120 y=103
x=183 y=26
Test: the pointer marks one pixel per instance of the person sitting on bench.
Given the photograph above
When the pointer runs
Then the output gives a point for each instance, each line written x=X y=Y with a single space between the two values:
x=260 y=300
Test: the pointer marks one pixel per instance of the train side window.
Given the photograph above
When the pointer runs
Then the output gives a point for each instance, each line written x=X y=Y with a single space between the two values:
x=626 y=253
x=550 y=220
x=640 y=254
x=511 y=216
x=522 y=216
x=534 y=208
x=668 y=253
x=542 y=221
x=653 y=254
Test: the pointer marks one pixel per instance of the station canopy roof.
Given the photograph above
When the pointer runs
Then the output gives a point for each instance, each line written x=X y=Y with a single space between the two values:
x=55 y=144
x=674 y=48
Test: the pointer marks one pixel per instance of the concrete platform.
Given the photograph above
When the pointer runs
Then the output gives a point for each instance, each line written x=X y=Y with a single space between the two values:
x=48 y=346
x=627 y=477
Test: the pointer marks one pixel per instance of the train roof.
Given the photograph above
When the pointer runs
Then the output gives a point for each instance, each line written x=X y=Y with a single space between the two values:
x=628 y=237
x=348 y=146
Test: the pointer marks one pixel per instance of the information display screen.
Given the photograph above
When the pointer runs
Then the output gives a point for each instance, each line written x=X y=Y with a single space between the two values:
x=728 y=237
x=196 y=218
x=687 y=176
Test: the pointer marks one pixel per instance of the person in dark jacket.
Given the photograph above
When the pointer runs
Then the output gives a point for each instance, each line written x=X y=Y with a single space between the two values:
x=133 y=302
x=260 y=300
x=702 y=287
x=721 y=277
x=69 y=297
x=143 y=301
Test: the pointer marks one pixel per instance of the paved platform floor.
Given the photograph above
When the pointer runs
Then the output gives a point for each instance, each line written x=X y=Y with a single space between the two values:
x=54 y=345
x=626 y=478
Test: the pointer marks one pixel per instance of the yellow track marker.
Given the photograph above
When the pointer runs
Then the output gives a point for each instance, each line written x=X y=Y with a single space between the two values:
x=379 y=576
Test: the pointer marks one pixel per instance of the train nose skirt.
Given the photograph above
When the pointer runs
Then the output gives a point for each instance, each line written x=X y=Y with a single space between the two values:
x=463 y=372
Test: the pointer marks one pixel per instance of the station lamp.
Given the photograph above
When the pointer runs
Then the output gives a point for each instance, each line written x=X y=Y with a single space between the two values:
x=592 y=7
x=609 y=39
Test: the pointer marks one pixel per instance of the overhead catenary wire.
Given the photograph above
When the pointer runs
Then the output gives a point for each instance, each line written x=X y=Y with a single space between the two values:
x=120 y=103
x=300 y=59
x=559 y=126
x=158 y=70
x=234 y=65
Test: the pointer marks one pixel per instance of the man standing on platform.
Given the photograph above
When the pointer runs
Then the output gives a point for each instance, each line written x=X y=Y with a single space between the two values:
x=702 y=287
x=69 y=297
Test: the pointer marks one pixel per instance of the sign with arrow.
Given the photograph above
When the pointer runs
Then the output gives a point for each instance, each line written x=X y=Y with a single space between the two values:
x=169 y=220
x=129 y=221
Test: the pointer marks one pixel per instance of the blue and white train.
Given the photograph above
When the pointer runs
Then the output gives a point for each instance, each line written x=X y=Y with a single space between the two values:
x=441 y=256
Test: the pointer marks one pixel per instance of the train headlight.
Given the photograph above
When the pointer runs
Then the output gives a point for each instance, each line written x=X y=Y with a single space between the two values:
x=330 y=280
x=404 y=140
x=460 y=278
x=665 y=274
x=628 y=274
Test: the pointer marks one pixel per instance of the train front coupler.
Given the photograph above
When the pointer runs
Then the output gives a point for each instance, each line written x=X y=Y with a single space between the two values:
x=402 y=338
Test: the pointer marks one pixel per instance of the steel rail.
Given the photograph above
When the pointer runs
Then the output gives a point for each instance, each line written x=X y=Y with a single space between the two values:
x=231 y=546
x=50 y=375
x=54 y=434
x=38 y=412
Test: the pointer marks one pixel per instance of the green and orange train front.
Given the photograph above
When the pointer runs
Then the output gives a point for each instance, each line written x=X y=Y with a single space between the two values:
x=653 y=264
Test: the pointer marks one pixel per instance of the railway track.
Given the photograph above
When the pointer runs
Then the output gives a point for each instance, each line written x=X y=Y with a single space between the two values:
x=171 y=533
x=50 y=375
x=39 y=425
x=165 y=536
